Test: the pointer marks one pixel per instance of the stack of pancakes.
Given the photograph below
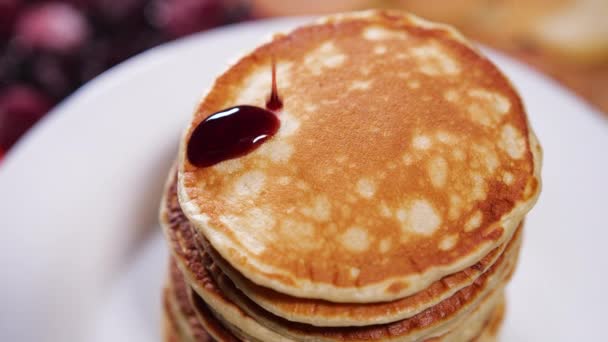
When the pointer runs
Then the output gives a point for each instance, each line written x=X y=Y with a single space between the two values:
x=388 y=206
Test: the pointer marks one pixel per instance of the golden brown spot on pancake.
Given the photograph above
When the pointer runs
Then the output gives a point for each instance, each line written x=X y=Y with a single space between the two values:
x=381 y=33
x=438 y=171
x=319 y=210
x=448 y=242
x=496 y=102
x=420 y=218
x=512 y=142
x=330 y=171
x=408 y=159
x=508 y=177
x=422 y=142
x=413 y=84
x=380 y=49
x=366 y=188
x=260 y=219
x=360 y=85
x=473 y=222
x=487 y=156
x=299 y=235
x=354 y=272
x=478 y=114
x=355 y=239
x=385 y=211
x=284 y=180
x=403 y=74
x=488 y=108
x=450 y=95
x=478 y=189
x=446 y=138
x=277 y=151
x=456 y=206
x=341 y=159
x=458 y=154
x=249 y=184
x=302 y=185
x=435 y=61
x=309 y=107
x=396 y=287
x=385 y=245
x=229 y=166
x=326 y=56
x=289 y=125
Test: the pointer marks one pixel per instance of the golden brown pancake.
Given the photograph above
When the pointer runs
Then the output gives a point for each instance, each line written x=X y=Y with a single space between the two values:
x=438 y=320
x=489 y=326
x=324 y=313
x=182 y=238
x=253 y=321
x=169 y=329
x=480 y=325
x=403 y=156
x=199 y=325
x=493 y=325
x=485 y=320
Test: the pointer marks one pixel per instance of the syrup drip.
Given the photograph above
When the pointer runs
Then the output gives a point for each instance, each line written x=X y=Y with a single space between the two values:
x=274 y=102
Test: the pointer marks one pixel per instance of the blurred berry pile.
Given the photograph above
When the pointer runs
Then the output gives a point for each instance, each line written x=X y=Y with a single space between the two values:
x=50 y=48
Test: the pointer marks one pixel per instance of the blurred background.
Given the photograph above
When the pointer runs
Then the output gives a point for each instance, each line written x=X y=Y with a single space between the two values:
x=48 y=49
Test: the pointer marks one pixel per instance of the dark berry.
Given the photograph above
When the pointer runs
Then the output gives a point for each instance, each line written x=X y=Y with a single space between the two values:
x=13 y=62
x=182 y=17
x=118 y=14
x=53 y=26
x=8 y=14
x=20 y=107
x=56 y=75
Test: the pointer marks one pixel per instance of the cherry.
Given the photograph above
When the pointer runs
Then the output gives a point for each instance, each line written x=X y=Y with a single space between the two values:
x=122 y=12
x=56 y=75
x=20 y=107
x=182 y=17
x=8 y=14
x=53 y=26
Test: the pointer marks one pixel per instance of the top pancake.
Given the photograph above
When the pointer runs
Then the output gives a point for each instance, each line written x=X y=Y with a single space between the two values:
x=403 y=156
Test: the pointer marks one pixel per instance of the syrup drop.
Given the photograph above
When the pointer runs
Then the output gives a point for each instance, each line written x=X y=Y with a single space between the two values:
x=230 y=133
x=235 y=131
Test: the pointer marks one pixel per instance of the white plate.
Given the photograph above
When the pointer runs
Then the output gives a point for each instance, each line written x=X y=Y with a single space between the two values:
x=80 y=189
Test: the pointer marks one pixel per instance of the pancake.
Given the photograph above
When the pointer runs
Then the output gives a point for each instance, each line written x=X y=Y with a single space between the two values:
x=317 y=312
x=492 y=328
x=255 y=323
x=192 y=262
x=169 y=329
x=403 y=156
x=323 y=313
x=482 y=322
x=181 y=236
x=481 y=325
x=435 y=321
x=197 y=325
